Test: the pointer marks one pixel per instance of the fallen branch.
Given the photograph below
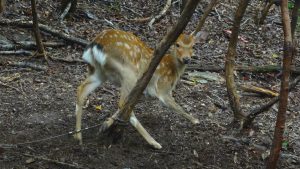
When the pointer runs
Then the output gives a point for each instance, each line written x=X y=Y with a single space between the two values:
x=25 y=64
x=161 y=14
x=140 y=20
x=252 y=69
x=54 y=161
x=259 y=90
x=69 y=61
x=66 y=11
x=28 y=45
x=45 y=28
x=255 y=112
x=17 y=52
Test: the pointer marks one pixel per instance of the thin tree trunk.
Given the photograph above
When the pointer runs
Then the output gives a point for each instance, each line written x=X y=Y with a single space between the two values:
x=2 y=6
x=283 y=99
x=265 y=12
x=234 y=98
x=183 y=4
x=295 y=14
x=204 y=16
x=36 y=30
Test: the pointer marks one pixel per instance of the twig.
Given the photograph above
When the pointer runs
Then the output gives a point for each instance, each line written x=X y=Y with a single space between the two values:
x=204 y=16
x=162 y=13
x=67 y=60
x=16 y=52
x=131 y=10
x=54 y=161
x=66 y=11
x=141 y=20
x=45 y=28
x=25 y=64
x=16 y=89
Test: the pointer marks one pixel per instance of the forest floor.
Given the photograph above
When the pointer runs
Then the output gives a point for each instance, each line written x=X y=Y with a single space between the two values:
x=37 y=104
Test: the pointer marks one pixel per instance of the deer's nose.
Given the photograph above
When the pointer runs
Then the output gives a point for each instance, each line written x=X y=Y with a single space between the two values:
x=186 y=60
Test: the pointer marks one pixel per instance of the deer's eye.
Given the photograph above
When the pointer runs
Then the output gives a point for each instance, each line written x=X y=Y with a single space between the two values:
x=177 y=45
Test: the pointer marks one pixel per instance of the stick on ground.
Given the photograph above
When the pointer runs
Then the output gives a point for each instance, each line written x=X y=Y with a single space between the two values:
x=161 y=14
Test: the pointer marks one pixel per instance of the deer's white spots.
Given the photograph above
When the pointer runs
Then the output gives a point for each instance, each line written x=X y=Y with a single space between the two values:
x=169 y=72
x=127 y=46
x=131 y=53
x=119 y=43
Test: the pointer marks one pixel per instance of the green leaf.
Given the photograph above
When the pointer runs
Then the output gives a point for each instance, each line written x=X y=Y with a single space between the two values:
x=290 y=5
x=285 y=145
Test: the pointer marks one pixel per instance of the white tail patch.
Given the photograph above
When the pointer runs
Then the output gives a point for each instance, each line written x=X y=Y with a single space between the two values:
x=94 y=52
x=87 y=56
x=99 y=55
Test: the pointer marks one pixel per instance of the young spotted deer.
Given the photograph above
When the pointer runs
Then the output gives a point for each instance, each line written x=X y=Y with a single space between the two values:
x=122 y=58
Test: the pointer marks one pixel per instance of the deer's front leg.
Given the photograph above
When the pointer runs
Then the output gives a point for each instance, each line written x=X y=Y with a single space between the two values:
x=170 y=102
x=138 y=126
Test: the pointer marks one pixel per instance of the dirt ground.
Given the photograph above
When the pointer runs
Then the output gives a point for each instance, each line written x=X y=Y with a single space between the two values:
x=41 y=104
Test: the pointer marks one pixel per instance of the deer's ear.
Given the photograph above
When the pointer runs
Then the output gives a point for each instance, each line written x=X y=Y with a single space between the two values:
x=201 y=36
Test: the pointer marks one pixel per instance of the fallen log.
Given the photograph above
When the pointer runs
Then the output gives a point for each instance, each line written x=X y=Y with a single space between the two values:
x=25 y=64
x=241 y=68
x=17 y=52
x=45 y=28
x=29 y=45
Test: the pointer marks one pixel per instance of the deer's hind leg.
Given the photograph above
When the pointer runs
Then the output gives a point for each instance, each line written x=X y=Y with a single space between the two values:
x=93 y=81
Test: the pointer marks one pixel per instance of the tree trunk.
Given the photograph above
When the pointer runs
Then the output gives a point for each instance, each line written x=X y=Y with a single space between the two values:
x=230 y=66
x=36 y=30
x=2 y=6
x=283 y=99
x=183 y=4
